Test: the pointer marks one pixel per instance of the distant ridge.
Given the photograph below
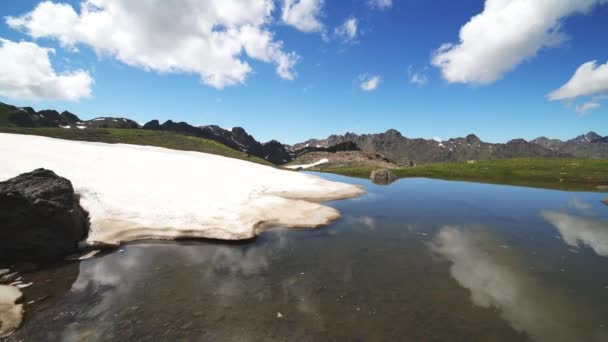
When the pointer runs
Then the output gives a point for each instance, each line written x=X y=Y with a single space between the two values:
x=400 y=149
x=391 y=144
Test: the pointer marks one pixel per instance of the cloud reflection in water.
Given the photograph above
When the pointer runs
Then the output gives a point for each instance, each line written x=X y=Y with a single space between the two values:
x=500 y=278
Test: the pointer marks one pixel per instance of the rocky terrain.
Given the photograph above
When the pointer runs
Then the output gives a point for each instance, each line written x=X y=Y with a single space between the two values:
x=401 y=149
x=236 y=138
x=345 y=158
x=28 y=117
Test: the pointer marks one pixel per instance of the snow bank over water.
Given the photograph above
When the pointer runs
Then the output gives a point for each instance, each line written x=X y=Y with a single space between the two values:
x=137 y=192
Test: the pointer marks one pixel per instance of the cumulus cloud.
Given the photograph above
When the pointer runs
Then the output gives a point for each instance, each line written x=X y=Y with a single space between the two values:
x=207 y=38
x=368 y=82
x=303 y=14
x=26 y=73
x=504 y=35
x=380 y=4
x=347 y=32
x=589 y=79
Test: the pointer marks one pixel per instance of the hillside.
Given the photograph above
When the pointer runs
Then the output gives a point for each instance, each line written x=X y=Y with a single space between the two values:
x=236 y=138
x=170 y=140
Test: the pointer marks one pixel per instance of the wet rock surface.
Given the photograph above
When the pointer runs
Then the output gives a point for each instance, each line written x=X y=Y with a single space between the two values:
x=383 y=176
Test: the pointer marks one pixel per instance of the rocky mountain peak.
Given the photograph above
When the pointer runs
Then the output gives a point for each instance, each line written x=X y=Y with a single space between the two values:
x=592 y=136
x=393 y=132
x=472 y=138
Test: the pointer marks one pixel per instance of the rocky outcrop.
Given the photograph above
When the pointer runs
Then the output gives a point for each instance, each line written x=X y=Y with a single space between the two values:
x=383 y=176
x=236 y=138
x=40 y=218
x=109 y=122
x=153 y=125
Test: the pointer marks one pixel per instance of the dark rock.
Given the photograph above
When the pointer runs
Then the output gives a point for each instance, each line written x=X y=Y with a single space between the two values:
x=472 y=139
x=22 y=119
x=68 y=119
x=110 y=122
x=383 y=176
x=40 y=217
x=154 y=124
x=48 y=118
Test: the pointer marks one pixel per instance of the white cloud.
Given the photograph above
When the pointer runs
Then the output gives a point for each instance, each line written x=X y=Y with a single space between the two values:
x=380 y=4
x=586 y=107
x=303 y=14
x=589 y=79
x=347 y=32
x=208 y=38
x=369 y=83
x=26 y=73
x=504 y=35
x=419 y=79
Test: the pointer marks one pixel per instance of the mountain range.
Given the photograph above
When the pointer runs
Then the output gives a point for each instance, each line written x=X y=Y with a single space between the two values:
x=391 y=144
x=400 y=149
x=236 y=138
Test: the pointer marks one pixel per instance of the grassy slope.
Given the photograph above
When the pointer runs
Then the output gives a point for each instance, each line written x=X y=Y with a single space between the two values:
x=554 y=173
x=171 y=140
x=4 y=115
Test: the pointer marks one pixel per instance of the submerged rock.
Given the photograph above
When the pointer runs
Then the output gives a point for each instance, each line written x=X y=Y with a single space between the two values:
x=40 y=217
x=11 y=313
x=605 y=201
x=383 y=176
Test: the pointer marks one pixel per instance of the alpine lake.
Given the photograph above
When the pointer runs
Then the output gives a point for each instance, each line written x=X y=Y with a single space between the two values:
x=416 y=260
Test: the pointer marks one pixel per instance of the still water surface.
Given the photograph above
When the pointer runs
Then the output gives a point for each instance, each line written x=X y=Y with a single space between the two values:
x=418 y=260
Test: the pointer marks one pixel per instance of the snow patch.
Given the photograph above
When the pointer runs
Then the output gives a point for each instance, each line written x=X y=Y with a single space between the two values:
x=308 y=166
x=66 y=126
x=81 y=127
x=138 y=192
x=11 y=313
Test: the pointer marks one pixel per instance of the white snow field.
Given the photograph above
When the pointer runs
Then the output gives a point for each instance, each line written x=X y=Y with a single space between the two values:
x=138 y=192
x=308 y=166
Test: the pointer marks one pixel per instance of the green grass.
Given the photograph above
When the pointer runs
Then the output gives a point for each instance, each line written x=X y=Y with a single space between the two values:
x=170 y=140
x=552 y=173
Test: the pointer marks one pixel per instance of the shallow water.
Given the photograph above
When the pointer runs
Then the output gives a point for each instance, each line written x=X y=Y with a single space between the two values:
x=419 y=260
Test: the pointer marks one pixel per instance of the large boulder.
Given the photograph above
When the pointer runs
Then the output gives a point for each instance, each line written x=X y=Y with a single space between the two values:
x=40 y=218
x=383 y=176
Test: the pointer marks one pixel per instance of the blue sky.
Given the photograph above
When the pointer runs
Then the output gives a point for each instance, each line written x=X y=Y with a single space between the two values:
x=325 y=95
